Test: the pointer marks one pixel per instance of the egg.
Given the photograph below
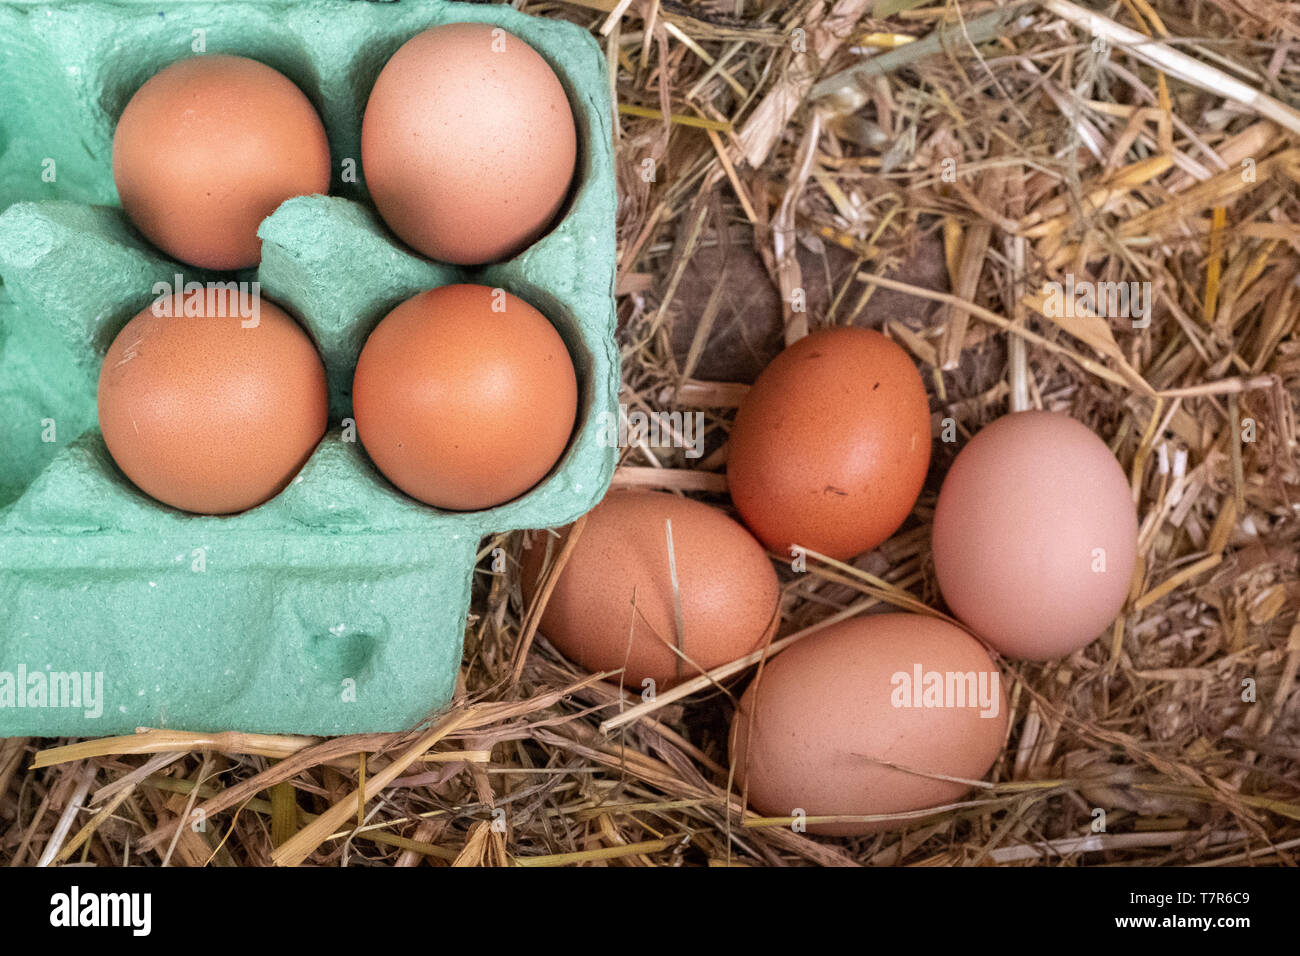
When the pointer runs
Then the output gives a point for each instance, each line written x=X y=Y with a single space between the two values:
x=613 y=604
x=465 y=397
x=207 y=149
x=850 y=720
x=208 y=410
x=830 y=447
x=1035 y=535
x=468 y=143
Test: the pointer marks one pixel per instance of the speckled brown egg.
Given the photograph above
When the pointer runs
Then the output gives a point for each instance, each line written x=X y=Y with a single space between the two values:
x=1035 y=535
x=468 y=143
x=613 y=606
x=209 y=412
x=207 y=149
x=858 y=718
x=465 y=397
x=830 y=447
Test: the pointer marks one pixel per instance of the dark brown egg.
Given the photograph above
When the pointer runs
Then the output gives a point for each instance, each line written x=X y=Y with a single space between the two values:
x=830 y=447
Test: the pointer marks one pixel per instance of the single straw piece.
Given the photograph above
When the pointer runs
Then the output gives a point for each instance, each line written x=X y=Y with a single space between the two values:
x=677 y=596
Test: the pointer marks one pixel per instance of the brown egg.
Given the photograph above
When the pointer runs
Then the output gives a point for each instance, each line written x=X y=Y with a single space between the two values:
x=465 y=397
x=468 y=143
x=613 y=604
x=206 y=414
x=830 y=447
x=207 y=149
x=1035 y=535
x=817 y=729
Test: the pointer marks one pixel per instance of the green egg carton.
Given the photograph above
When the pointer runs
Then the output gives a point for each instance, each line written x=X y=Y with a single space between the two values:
x=340 y=605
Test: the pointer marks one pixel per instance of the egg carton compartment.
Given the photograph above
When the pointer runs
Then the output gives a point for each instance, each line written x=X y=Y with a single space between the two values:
x=338 y=606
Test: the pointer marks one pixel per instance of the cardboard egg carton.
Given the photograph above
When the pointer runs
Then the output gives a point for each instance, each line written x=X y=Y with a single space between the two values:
x=339 y=606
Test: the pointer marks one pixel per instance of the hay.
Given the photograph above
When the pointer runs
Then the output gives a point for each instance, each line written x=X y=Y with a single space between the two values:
x=1150 y=141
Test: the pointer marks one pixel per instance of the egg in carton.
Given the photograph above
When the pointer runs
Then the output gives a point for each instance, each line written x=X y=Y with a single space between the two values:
x=338 y=606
